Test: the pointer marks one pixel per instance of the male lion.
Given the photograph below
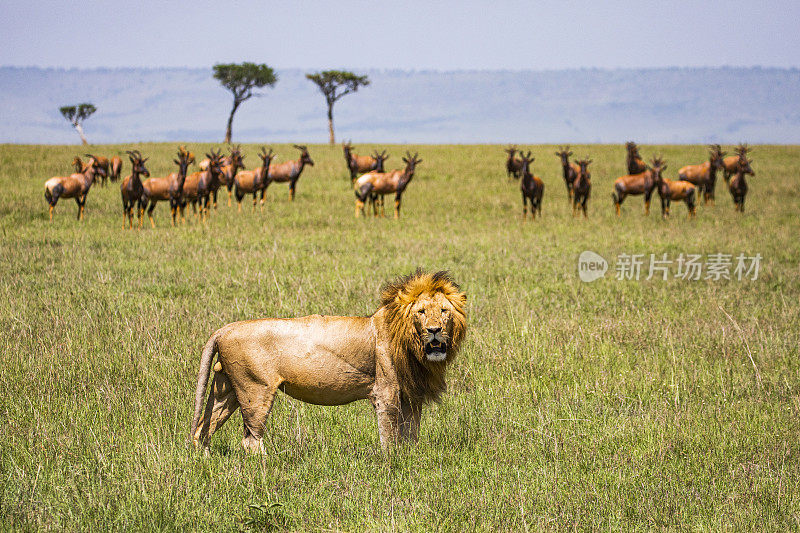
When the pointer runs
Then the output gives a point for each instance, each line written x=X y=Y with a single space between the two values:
x=395 y=358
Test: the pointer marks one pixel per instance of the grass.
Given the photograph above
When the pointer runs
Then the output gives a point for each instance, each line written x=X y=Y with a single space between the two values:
x=612 y=405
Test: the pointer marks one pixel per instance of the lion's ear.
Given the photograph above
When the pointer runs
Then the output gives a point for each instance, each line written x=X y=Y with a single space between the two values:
x=458 y=300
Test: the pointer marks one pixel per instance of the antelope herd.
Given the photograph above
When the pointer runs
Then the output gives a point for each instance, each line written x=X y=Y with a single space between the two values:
x=642 y=179
x=371 y=182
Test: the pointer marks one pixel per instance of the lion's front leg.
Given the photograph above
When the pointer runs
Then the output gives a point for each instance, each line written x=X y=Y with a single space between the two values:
x=388 y=412
x=409 y=423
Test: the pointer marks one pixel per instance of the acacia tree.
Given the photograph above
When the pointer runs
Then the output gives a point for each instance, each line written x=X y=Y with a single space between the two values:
x=334 y=84
x=76 y=114
x=241 y=79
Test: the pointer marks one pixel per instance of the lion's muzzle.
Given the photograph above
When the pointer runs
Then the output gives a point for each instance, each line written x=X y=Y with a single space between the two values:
x=435 y=345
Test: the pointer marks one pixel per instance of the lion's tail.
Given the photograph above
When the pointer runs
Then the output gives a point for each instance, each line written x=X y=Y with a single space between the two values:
x=206 y=358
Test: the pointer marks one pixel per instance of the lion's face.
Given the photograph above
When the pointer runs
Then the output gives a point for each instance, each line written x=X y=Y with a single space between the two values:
x=433 y=321
x=425 y=322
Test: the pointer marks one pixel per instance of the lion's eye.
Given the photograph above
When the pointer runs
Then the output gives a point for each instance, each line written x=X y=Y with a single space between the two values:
x=444 y=311
x=421 y=311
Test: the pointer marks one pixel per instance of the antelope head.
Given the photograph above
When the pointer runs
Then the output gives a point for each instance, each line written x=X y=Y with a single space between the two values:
x=98 y=168
x=716 y=156
x=215 y=162
x=185 y=158
x=266 y=157
x=658 y=165
x=526 y=159
x=411 y=161
x=137 y=162
x=744 y=164
x=305 y=158
x=379 y=159
x=564 y=154
x=237 y=157
x=584 y=165
x=92 y=167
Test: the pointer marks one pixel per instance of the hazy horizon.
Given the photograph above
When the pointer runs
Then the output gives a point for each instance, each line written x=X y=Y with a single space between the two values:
x=652 y=106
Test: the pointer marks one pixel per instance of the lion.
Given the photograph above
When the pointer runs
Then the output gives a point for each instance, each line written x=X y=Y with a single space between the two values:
x=395 y=358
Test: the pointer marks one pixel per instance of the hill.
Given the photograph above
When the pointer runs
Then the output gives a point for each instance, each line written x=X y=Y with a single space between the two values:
x=671 y=105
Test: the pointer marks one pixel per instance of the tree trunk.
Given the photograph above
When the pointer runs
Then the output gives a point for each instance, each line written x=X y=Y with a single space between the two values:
x=229 y=129
x=79 y=129
x=330 y=124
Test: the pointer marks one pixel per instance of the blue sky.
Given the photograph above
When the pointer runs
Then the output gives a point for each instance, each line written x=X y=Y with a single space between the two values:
x=441 y=35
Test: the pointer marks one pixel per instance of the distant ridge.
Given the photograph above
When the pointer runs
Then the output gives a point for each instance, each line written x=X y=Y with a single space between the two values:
x=671 y=105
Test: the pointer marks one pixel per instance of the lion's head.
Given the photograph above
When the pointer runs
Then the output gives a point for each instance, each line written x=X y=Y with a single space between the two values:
x=426 y=322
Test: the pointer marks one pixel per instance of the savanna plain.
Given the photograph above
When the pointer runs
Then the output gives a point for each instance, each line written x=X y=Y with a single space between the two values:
x=615 y=405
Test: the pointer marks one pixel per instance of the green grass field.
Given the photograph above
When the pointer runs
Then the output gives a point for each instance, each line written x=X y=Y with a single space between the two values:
x=632 y=405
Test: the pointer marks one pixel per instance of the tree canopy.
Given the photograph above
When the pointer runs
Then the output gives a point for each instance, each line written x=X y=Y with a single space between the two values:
x=242 y=78
x=331 y=81
x=77 y=113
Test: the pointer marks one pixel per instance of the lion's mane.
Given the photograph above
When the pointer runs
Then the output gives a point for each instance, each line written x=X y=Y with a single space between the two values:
x=420 y=380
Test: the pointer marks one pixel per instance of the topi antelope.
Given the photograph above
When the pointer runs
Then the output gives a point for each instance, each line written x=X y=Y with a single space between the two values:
x=570 y=170
x=532 y=187
x=738 y=186
x=634 y=161
x=102 y=166
x=582 y=187
x=80 y=166
x=115 y=169
x=513 y=165
x=169 y=188
x=230 y=166
x=198 y=185
x=75 y=185
x=670 y=190
x=132 y=190
x=634 y=185
x=289 y=171
x=704 y=175
x=359 y=164
x=254 y=181
x=731 y=163
x=374 y=185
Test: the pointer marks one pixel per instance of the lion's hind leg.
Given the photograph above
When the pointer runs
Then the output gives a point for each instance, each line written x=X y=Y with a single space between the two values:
x=256 y=405
x=222 y=403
